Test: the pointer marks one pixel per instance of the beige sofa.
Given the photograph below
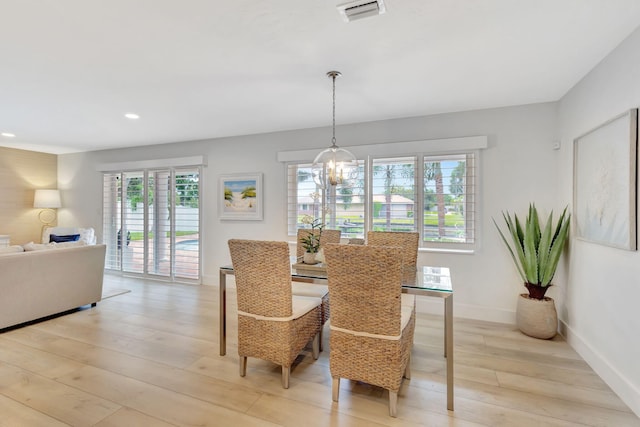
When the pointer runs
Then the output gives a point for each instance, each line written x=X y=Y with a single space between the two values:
x=40 y=283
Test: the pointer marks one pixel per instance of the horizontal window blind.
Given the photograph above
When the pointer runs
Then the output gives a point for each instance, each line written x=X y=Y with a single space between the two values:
x=151 y=222
x=393 y=194
x=449 y=203
x=111 y=201
x=304 y=196
x=187 y=223
x=432 y=194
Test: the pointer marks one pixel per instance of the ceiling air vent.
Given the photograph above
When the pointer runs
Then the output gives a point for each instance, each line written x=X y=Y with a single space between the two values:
x=359 y=9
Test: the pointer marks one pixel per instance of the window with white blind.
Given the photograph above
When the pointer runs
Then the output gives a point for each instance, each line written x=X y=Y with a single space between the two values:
x=393 y=194
x=151 y=222
x=431 y=194
x=449 y=199
x=340 y=207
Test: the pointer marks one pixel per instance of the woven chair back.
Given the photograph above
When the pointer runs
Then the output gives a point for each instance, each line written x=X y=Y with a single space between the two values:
x=327 y=236
x=408 y=241
x=365 y=287
x=263 y=277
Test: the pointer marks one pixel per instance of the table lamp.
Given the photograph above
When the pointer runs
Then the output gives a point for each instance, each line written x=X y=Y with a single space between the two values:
x=47 y=200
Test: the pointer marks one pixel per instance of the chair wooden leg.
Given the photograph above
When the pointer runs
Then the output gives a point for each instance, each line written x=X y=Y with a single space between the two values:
x=407 y=370
x=285 y=376
x=320 y=333
x=393 y=403
x=335 y=389
x=316 y=346
x=243 y=366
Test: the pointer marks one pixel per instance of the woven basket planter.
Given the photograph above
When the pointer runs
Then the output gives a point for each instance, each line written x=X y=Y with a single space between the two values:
x=537 y=318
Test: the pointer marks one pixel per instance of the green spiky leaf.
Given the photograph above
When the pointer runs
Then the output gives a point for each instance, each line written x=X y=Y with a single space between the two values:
x=535 y=253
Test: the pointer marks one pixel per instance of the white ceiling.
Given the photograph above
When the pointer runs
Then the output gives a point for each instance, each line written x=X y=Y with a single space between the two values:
x=198 y=69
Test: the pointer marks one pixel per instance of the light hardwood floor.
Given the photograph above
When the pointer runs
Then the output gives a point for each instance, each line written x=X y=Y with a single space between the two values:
x=150 y=358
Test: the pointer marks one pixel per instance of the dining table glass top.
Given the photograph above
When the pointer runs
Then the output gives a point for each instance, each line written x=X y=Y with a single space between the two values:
x=423 y=278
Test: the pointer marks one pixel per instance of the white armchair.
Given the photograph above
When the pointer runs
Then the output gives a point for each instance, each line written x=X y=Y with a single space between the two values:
x=87 y=235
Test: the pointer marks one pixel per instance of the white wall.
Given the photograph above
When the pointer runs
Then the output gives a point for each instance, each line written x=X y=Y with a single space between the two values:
x=600 y=315
x=486 y=283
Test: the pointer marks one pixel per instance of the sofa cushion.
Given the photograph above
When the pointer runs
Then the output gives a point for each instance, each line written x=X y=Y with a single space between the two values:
x=11 y=250
x=53 y=245
x=69 y=244
x=28 y=247
x=64 y=238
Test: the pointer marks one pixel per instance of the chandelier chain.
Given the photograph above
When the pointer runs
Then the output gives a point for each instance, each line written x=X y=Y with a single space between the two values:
x=334 y=110
x=333 y=75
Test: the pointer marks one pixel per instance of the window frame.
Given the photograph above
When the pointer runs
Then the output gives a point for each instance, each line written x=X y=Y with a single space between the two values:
x=469 y=146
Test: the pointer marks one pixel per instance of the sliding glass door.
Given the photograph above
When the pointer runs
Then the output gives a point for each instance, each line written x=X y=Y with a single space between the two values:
x=152 y=222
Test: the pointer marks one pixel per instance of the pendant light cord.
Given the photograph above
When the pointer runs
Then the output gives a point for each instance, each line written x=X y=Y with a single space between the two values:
x=333 y=140
x=333 y=75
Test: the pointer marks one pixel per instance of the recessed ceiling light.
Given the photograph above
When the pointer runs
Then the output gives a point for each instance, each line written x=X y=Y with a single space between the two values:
x=132 y=116
x=8 y=135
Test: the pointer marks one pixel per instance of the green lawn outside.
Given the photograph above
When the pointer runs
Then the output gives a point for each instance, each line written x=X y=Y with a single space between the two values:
x=137 y=235
x=430 y=219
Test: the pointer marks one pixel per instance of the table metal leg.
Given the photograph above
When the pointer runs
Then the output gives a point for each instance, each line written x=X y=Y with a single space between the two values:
x=445 y=328
x=448 y=332
x=223 y=313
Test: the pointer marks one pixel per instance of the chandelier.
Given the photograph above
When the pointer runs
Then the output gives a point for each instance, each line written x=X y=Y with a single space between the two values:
x=333 y=165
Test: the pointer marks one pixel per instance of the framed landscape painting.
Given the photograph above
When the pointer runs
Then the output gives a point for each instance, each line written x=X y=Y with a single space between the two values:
x=605 y=169
x=240 y=196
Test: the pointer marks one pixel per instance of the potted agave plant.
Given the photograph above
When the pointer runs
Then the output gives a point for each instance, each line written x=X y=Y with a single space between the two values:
x=536 y=253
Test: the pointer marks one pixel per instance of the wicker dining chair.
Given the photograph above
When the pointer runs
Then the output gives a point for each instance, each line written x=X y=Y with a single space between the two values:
x=327 y=236
x=356 y=241
x=371 y=331
x=273 y=324
x=409 y=242
x=316 y=289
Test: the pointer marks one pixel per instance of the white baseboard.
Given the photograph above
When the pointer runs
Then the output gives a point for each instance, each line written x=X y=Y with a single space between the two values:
x=629 y=394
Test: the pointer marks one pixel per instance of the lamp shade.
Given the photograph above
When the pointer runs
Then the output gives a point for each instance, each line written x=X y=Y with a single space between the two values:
x=47 y=199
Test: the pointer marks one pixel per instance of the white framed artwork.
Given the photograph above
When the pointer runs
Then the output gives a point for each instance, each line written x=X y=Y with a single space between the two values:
x=240 y=196
x=605 y=170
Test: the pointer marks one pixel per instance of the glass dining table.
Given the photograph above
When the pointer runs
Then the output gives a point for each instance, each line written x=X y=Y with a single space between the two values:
x=424 y=281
